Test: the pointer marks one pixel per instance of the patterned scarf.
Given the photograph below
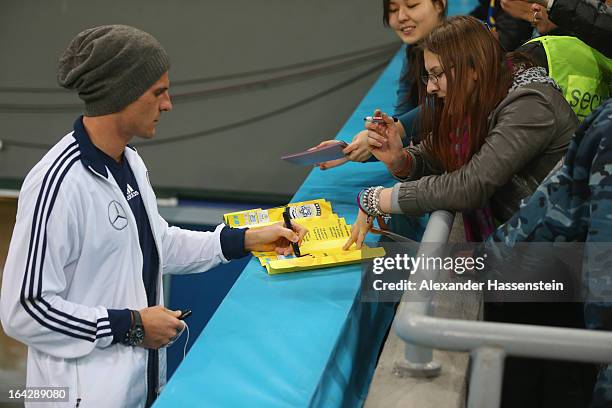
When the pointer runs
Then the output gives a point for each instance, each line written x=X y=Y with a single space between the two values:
x=525 y=76
x=477 y=223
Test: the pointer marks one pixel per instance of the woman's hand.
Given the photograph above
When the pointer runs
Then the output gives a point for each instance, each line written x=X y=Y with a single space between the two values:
x=385 y=142
x=357 y=151
x=540 y=19
x=359 y=230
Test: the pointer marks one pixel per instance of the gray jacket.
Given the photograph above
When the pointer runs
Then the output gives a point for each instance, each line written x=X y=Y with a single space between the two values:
x=529 y=132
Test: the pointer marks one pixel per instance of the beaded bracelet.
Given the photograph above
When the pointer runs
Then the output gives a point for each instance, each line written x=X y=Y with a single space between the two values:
x=368 y=201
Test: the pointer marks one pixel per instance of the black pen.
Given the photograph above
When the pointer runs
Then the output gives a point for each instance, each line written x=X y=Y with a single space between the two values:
x=287 y=218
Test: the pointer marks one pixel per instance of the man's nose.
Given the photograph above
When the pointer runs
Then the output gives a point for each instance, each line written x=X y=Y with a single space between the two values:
x=166 y=104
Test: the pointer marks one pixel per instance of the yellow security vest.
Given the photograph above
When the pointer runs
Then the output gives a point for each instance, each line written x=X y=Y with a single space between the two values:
x=583 y=73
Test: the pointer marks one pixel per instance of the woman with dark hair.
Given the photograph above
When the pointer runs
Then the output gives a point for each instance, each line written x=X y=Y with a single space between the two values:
x=412 y=20
x=491 y=130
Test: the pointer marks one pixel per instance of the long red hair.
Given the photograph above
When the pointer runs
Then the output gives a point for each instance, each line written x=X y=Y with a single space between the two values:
x=464 y=46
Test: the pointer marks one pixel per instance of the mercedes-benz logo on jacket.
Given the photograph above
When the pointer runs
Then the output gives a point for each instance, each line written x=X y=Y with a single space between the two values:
x=117 y=216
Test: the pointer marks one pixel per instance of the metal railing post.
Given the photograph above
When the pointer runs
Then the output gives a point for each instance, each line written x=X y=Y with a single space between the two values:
x=486 y=378
x=418 y=360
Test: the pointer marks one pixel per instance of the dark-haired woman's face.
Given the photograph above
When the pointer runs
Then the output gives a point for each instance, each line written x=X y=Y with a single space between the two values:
x=413 y=20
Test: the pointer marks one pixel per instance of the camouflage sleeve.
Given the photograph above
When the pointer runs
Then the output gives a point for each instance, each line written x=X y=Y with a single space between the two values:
x=597 y=272
x=596 y=269
x=574 y=204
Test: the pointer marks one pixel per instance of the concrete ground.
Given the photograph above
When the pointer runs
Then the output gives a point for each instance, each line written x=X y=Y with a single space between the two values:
x=448 y=390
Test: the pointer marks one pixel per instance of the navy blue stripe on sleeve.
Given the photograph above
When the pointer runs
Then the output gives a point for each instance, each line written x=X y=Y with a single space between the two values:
x=232 y=243
x=120 y=323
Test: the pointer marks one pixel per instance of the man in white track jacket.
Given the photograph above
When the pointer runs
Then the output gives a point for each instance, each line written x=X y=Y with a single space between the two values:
x=82 y=282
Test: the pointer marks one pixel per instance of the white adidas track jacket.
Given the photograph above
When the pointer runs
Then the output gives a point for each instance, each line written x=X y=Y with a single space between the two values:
x=75 y=254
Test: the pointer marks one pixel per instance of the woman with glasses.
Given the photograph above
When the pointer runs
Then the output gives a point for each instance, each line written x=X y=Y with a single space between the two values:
x=492 y=126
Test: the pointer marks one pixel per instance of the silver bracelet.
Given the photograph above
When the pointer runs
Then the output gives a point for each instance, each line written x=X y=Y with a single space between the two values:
x=369 y=201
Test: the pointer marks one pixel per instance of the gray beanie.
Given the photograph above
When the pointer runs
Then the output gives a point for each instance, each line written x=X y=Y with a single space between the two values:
x=111 y=66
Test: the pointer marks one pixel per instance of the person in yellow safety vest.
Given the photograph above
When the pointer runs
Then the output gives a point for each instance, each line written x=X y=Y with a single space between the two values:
x=583 y=73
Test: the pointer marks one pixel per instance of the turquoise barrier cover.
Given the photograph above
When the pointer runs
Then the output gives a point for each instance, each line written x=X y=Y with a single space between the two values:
x=298 y=339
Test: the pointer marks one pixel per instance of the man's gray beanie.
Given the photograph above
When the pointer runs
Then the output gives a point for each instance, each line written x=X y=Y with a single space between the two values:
x=111 y=66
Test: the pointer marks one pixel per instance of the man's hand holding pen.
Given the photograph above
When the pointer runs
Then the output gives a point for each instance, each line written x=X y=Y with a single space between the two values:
x=275 y=237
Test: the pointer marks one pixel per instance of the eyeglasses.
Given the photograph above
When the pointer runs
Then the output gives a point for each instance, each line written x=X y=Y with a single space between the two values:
x=434 y=78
